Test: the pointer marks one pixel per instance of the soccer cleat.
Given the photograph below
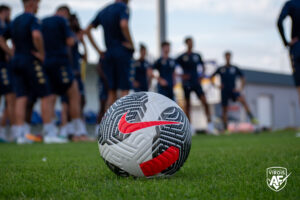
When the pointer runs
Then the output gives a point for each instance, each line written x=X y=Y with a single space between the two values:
x=33 y=138
x=55 y=140
x=23 y=140
x=211 y=129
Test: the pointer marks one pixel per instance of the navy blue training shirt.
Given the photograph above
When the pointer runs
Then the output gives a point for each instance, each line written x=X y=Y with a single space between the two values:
x=189 y=64
x=166 y=69
x=3 y=26
x=56 y=30
x=110 y=18
x=140 y=75
x=292 y=9
x=20 y=31
x=228 y=74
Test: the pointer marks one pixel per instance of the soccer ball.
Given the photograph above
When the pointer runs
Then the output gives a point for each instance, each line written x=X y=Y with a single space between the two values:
x=144 y=135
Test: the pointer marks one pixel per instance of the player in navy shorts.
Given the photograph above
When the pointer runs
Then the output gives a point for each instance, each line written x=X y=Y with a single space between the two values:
x=76 y=61
x=114 y=19
x=229 y=75
x=292 y=9
x=166 y=68
x=193 y=71
x=28 y=72
x=142 y=72
x=6 y=84
x=58 y=38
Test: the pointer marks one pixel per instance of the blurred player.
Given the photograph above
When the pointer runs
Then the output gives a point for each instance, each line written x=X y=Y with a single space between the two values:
x=103 y=94
x=142 y=72
x=166 y=68
x=76 y=61
x=103 y=91
x=292 y=9
x=190 y=63
x=229 y=91
x=6 y=87
x=28 y=72
x=117 y=60
x=58 y=38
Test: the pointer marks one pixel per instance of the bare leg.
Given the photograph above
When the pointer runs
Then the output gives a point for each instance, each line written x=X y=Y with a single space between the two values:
x=206 y=107
x=64 y=114
x=224 y=116
x=101 y=111
x=47 y=111
x=11 y=100
x=20 y=111
x=112 y=97
x=4 y=117
x=74 y=101
x=188 y=108
x=242 y=100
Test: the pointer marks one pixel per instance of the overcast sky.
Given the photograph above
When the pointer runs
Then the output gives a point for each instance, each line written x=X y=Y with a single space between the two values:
x=246 y=27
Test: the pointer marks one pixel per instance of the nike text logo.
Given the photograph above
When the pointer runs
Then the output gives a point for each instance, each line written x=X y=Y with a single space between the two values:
x=128 y=128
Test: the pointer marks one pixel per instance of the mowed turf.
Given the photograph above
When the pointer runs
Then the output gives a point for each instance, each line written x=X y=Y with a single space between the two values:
x=225 y=167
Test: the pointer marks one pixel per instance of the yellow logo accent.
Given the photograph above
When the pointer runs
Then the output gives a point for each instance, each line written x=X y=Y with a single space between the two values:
x=66 y=80
x=40 y=74
x=42 y=81
x=6 y=82
x=38 y=68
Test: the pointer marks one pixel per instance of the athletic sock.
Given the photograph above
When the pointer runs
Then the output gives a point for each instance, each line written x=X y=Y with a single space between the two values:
x=50 y=130
x=79 y=127
x=27 y=128
x=63 y=131
x=12 y=132
x=19 y=131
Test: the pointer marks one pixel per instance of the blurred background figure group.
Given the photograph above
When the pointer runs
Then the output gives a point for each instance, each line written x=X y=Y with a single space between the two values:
x=48 y=58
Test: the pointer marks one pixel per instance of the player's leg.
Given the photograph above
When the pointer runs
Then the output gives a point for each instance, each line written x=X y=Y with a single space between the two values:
x=123 y=67
x=225 y=117
x=64 y=117
x=243 y=101
x=10 y=110
x=187 y=95
x=206 y=107
x=224 y=103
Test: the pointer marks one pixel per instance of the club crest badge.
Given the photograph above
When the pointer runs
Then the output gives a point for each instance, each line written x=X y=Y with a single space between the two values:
x=277 y=178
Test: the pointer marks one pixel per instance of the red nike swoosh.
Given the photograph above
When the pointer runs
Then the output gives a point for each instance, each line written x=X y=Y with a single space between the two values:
x=128 y=128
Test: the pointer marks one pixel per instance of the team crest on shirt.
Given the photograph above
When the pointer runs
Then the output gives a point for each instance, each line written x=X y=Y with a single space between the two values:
x=185 y=58
x=172 y=63
x=223 y=70
x=196 y=58
x=232 y=70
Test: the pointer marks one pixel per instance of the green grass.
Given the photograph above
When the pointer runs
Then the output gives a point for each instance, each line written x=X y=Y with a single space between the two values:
x=226 y=167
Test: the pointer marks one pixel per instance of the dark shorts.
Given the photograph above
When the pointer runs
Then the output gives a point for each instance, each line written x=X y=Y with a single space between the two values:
x=65 y=99
x=60 y=75
x=166 y=91
x=192 y=87
x=116 y=67
x=6 y=85
x=295 y=56
x=229 y=95
x=29 y=77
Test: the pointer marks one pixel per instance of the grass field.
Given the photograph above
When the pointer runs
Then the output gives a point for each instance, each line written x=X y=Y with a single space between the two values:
x=226 y=167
